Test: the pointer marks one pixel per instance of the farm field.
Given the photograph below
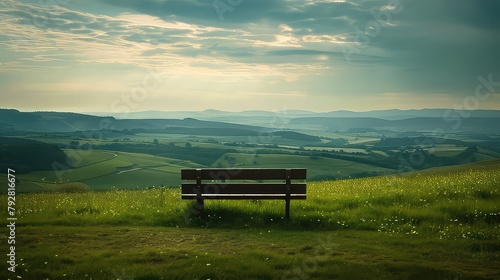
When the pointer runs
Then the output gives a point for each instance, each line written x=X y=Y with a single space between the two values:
x=447 y=150
x=104 y=169
x=347 y=150
x=435 y=225
x=317 y=167
x=146 y=158
x=101 y=170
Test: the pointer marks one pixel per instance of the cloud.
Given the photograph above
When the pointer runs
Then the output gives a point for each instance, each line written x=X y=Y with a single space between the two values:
x=322 y=48
x=132 y=39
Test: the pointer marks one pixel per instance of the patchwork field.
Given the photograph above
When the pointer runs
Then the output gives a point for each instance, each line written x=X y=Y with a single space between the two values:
x=317 y=166
x=102 y=169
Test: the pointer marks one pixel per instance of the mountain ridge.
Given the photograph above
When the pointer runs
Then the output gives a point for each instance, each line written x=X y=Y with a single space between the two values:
x=385 y=114
x=425 y=120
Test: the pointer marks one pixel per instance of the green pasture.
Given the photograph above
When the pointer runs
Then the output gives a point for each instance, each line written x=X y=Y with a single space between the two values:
x=346 y=150
x=452 y=151
x=447 y=150
x=106 y=169
x=317 y=166
x=487 y=165
x=101 y=169
x=426 y=226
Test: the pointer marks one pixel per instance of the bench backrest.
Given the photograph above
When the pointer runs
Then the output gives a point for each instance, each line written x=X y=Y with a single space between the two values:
x=244 y=183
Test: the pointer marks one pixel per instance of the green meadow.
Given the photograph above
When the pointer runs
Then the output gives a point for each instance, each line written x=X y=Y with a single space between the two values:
x=316 y=166
x=102 y=170
x=431 y=225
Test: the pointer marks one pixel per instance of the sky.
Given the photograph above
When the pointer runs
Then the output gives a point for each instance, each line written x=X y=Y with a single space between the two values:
x=122 y=56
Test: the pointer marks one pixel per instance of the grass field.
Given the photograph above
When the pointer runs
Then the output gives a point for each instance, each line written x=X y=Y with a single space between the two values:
x=487 y=165
x=102 y=170
x=347 y=150
x=424 y=226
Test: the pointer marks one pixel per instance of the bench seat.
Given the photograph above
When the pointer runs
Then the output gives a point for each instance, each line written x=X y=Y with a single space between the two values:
x=244 y=183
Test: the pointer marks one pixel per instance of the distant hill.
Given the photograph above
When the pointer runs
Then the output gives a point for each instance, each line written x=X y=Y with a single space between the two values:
x=14 y=120
x=297 y=136
x=409 y=114
x=25 y=155
x=249 y=122
x=250 y=115
x=429 y=124
x=49 y=121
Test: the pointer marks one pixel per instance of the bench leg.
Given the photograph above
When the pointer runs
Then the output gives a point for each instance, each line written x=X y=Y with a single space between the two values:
x=201 y=207
x=287 y=209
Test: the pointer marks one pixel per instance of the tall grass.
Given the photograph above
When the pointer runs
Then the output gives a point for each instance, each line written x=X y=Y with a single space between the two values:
x=463 y=205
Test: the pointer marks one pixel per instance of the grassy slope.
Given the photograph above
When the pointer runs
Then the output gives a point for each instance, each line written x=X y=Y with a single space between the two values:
x=443 y=226
x=492 y=164
x=102 y=170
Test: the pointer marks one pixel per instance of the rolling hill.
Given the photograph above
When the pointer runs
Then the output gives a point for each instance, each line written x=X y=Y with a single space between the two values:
x=422 y=124
x=426 y=120
x=14 y=120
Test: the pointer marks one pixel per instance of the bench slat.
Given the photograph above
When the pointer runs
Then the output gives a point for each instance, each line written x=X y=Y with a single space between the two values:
x=245 y=196
x=265 y=188
x=244 y=174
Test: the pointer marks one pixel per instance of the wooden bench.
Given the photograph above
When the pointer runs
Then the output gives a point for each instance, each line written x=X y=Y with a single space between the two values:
x=243 y=183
